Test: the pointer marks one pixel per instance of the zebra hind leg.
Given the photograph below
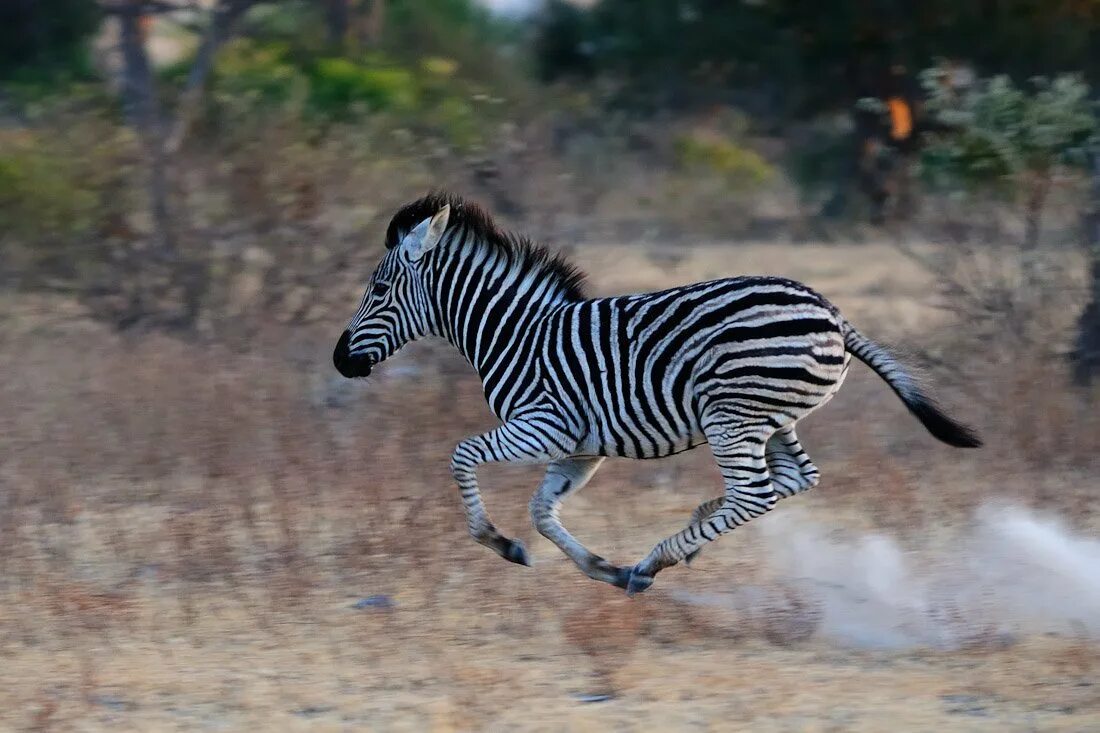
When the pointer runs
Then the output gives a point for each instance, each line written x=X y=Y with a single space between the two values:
x=701 y=512
x=791 y=470
x=740 y=454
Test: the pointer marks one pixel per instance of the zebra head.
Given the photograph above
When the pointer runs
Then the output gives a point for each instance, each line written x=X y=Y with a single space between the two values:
x=394 y=309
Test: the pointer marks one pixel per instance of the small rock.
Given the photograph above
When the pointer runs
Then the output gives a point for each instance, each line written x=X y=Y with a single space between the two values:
x=380 y=600
x=960 y=699
x=588 y=697
x=965 y=705
x=113 y=703
x=312 y=711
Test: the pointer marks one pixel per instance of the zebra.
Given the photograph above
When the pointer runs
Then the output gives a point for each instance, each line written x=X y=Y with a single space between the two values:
x=734 y=363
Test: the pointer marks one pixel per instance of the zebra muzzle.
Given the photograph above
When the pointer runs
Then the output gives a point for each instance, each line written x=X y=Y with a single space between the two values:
x=348 y=364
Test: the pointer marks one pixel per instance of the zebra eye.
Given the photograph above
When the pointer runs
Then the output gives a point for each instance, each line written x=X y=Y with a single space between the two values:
x=380 y=289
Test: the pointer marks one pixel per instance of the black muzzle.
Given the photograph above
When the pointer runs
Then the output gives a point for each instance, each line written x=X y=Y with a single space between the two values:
x=348 y=365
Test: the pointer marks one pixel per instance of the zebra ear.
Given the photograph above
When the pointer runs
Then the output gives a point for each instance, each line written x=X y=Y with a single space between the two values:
x=427 y=234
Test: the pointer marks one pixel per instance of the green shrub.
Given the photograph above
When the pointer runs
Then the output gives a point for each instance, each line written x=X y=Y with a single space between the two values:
x=43 y=193
x=338 y=85
x=458 y=121
x=819 y=157
x=65 y=193
x=1014 y=141
x=251 y=78
x=996 y=134
x=258 y=71
x=735 y=163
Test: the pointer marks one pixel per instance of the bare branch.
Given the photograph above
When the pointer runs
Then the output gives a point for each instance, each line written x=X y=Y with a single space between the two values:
x=218 y=30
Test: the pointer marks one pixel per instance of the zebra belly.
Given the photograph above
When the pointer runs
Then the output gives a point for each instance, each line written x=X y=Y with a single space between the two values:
x=649 y=443
x=655 y=424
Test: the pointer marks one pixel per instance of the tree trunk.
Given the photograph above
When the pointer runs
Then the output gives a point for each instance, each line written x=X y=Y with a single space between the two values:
x=1086 y=354
x=1038 y=189
x=144 y=113
x=1036 y=200
x=337 y=17
x=166 y=286
x=376 y=21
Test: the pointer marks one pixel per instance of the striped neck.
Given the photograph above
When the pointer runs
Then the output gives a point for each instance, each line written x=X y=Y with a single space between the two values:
x=487 y=300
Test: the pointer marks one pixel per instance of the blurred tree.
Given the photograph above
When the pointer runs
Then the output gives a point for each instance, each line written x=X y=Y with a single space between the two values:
x=785 y=60
x=802 y=59
x=162 y=137
x=337 y=21
x=1017 y=141
x=564 y=41
x=1021 y=142
x=1086 y=352
x=45 y=37
x=219 y=27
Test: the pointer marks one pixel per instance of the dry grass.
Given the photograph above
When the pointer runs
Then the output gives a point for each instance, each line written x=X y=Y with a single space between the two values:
x=184 y=530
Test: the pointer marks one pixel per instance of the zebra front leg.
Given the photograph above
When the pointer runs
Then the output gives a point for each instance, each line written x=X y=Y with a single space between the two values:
x=739 y=452
x=563 y=478
x=514 y=442
x=791 y=470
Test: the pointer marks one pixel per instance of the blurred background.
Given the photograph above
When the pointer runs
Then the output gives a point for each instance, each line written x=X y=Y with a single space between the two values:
x=203 y=527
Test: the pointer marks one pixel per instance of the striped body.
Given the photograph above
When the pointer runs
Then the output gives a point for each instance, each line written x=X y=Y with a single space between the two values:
x=631 y=376
x=735 y=363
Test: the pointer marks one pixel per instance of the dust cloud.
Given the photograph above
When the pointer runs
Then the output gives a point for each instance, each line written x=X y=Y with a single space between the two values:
x=1011 y=572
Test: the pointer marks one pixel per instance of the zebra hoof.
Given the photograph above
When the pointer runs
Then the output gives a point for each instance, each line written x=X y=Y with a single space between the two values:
x=638 y=582
x=620 y=577
x=516 y=552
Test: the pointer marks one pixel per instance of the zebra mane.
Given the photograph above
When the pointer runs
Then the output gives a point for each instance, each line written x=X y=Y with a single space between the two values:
x=478 y=223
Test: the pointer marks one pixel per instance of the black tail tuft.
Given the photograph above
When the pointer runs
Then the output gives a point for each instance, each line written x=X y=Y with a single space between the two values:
x=939 y=424
x=908 y=389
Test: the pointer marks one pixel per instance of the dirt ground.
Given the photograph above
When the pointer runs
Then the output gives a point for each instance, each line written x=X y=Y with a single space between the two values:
x=268 y=592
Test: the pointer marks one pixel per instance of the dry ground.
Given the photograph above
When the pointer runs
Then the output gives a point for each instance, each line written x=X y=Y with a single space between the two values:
x=185 y=531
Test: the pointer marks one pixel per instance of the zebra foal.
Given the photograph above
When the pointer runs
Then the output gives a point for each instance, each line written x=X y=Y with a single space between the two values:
x=735 y=363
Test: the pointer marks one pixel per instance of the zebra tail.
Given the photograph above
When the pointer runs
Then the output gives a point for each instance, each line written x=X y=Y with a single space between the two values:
x=909 y=390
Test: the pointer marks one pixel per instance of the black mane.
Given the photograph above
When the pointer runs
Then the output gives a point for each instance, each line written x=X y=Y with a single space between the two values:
x=477 y=222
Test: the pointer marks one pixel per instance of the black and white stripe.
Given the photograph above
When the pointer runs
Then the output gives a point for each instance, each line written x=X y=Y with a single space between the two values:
x=735 y=363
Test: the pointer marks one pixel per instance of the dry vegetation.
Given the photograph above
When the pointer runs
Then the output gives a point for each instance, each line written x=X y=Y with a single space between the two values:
x=185 y=531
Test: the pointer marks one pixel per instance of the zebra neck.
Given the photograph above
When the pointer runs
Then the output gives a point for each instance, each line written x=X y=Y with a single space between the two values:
x=490 y=314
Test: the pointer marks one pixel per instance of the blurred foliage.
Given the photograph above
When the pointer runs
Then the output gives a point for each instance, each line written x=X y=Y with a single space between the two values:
x=735 y=163
x=798 y=59
x=64 y=193
x=483 y=46
x=44 y=41
x=42 y=193
x=461 y=29
x=44 y=190
x=994 y=133
x=306 y=108
x=338 y=84
x=818 y=153
x=255 y=78
x=255 y=73
x=437 y=68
